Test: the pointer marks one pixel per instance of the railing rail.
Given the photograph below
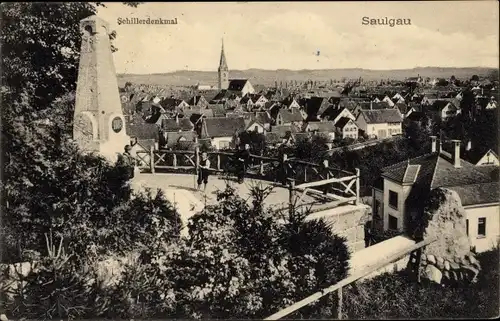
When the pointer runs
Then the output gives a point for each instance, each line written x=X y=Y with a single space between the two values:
x=336 y=183
x=349 y=280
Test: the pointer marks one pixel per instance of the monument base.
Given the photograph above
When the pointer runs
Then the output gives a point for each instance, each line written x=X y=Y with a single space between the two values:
x=112 y=148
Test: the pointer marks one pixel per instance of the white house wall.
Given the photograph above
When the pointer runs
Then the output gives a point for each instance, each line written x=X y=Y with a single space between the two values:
x=491 y=160
x=492 y=215
x=247 y=89
x=217 y=142
x=399 y=213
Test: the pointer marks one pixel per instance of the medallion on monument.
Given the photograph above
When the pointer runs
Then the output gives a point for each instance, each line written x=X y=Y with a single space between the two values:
x=117 y=124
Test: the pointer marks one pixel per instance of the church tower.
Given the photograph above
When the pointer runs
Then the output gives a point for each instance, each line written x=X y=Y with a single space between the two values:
x=223 y=70
x=98 y=123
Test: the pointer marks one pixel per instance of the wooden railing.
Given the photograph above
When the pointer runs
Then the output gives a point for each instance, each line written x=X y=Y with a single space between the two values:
x=299 y=176
x=414 y=267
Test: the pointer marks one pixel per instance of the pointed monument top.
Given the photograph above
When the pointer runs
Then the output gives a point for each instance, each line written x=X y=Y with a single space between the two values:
x=95 y=23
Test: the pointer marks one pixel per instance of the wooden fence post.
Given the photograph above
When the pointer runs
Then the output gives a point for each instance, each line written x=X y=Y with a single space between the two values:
x=175 y=160
x=218 y=162
x=339 y=303
x=197 y=156
x=284 y=169
x=357 y=186
x=261 y=170
x=291 y=195
x=152 y=159
x=327 y=175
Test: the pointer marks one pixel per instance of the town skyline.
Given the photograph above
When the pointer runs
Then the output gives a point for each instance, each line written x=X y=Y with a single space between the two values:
x=317 y=36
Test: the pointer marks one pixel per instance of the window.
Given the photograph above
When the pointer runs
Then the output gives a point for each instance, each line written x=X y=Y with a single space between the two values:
x=223 y=144
x=393 y=199
x=467 y=227
x=256 y=128
x=393 y=223
x=481 y=227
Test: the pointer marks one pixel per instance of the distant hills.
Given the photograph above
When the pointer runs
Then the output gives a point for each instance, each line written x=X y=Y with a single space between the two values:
x=268 y=77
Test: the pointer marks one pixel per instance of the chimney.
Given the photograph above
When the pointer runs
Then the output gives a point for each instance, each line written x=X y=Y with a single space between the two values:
x=433 y=143
x=456 y=153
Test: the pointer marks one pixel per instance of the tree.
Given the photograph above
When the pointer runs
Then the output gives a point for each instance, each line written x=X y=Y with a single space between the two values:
x=256 y=140
x=48 y=184
x=240 y=261
x=313 y=149
x=474 y=78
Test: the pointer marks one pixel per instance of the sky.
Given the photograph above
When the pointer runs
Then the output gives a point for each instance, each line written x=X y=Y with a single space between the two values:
x=300 y=35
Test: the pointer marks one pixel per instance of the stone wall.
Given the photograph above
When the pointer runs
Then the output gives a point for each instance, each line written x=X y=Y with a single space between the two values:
x=461 y=270
x=347 y=221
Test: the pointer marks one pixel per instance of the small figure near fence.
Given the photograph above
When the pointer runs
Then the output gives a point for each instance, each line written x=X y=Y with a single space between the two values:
x=127 y=161
x=203 y=171
x=243 y=159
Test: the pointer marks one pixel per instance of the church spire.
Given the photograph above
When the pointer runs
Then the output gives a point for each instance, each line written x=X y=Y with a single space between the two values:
x=223 y=63
x=223 y=70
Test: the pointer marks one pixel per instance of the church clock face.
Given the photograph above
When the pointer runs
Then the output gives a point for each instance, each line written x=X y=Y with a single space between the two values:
x=117 y=124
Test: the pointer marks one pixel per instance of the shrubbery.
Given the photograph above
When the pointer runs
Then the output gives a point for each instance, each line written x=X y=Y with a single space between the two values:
x=397 y=296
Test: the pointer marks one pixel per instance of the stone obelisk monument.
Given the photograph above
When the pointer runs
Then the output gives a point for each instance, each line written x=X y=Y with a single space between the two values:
x=99 y=124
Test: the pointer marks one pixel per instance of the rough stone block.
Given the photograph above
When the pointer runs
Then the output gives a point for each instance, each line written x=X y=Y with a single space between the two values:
x=476 y=265
x=454 y=266
x=433 y=274
x=440 y=265
x=431 y=259
x=360 y=232
x=439 y=260
x=359 y=246
x=447 y=266
x=423 y=257
x=471 y=271
x=351 y=235
x=470 y=257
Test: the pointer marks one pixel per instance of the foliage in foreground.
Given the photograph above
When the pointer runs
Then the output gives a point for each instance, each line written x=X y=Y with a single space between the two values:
x=392 y=296
x=240 y=260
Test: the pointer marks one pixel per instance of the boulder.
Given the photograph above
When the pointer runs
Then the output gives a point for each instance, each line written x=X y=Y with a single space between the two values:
x=446 y=275
x=3 y=317
x=433 y=274
x=440 y=263
x=447 y=224
x=476 y=265
x=423 y=257
x=431 y=259
x=454 y=266
x=447 y=266
x=471 y=258
x=471 y=272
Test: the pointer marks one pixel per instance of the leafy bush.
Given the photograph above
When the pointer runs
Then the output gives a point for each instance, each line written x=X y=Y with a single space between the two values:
x=240 y=261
